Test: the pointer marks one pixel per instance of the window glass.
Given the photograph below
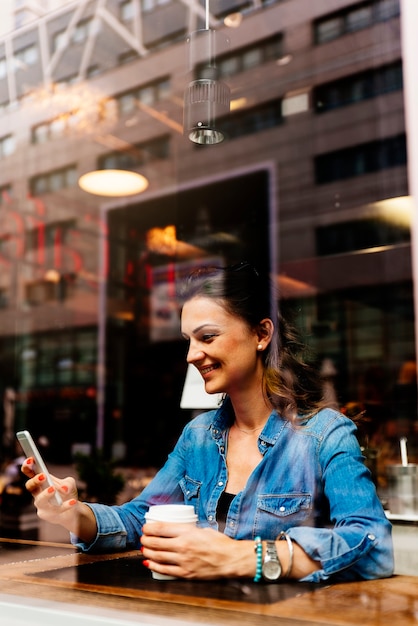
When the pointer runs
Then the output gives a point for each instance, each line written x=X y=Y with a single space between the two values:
x=56 y=181
x=147 y=5
x=127 y=103
x=7 y=146
x=127 y=10
x=39 y=185
x=3 y=68
x=31 y=55
x=60 y=40
x=359 y=18
x=386 y=9
x=163 y=88
x=146 y=95
x=229 y=67
x=329 y=29
x=57 y=127
x=81 y=31
x=40 y=133
x=71 y=177
x=311 y=182
x=252 y=58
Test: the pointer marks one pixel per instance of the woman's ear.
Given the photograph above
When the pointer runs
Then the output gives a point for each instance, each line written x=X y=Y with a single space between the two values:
x=265 y=332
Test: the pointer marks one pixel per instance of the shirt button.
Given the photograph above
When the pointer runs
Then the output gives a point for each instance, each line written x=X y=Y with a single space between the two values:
x=232 y=524
x=222 y=449
x=371 y=537
x=210 y=518
x=263 y=443
x=220 y=483
x=216 y=431
x=282 y=508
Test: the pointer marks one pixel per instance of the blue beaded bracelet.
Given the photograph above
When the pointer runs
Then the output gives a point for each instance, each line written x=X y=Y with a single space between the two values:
x=259 y=553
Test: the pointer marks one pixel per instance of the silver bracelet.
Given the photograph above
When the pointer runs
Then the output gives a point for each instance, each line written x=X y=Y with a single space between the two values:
x=284 y=535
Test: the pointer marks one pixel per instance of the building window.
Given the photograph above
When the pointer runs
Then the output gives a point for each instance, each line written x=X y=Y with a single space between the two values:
x=147 y=94
x=246 y=58
x=26 y=57
x=359 y=235
x=366 y=158
x=3 y=68
x=7 y=146
x=354 y=18
x=358 y=87
x=259 y=118
x=386 y=9
x=5 y=194
x=69 y=122
x=82 y=31
x=78 y=35
x=60 y=40
x=127 y=11
x=53 y=181
x=359 y=18
x=150 y=5
x=137 y=156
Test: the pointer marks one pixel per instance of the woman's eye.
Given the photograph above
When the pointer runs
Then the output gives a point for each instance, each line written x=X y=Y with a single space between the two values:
x=208 y=337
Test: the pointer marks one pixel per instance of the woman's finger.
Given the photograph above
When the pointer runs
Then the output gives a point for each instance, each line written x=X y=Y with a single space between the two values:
x=27 y=467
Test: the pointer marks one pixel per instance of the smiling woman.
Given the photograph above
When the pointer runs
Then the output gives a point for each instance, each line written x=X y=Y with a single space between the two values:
x=273 y=467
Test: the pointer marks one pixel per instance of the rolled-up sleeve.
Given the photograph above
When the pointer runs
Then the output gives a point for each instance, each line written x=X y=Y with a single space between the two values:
x=359 y=554
x=111 y=533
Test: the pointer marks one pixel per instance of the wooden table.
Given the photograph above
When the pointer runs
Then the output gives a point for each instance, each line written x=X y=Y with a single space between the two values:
x=56 y=572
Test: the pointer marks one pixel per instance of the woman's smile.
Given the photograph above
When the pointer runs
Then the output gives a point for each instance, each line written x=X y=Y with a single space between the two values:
x=207 y=369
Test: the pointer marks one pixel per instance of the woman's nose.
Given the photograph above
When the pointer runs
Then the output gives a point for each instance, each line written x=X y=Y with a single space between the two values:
x=194 y=354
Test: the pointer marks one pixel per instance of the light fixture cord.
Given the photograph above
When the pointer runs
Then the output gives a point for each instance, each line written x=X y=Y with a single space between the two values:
x=207 y=14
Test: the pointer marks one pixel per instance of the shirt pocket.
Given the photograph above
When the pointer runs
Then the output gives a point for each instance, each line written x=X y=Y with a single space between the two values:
x=191 y=491
x=282 y=511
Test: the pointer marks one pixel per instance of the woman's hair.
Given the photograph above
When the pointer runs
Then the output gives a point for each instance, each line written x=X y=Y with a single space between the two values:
x=291 y=385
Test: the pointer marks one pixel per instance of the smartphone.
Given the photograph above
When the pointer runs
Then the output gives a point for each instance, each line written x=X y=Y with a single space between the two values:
x=29 y=448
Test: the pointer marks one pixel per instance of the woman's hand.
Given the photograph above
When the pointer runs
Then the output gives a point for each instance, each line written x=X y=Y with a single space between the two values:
x=187 y=551
x=72 y=514
x=43 y=494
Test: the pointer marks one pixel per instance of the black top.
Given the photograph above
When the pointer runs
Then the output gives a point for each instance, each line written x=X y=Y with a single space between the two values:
x=222 y=509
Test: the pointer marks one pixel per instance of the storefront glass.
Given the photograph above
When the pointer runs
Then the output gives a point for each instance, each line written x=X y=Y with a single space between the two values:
x=310 y=183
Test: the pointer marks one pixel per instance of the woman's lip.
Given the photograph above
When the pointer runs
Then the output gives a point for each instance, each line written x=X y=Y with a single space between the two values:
x=204 y=371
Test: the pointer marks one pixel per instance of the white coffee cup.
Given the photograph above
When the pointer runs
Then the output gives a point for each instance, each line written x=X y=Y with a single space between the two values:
x=175 y=513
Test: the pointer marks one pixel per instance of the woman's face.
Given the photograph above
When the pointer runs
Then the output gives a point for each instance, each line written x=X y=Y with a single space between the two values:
x=221 y=346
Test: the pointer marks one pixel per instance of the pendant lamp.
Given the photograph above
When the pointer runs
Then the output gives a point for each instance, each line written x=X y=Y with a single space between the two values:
x=206 y=99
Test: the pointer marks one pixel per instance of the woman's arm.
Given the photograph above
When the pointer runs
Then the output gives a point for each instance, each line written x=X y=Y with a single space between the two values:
x=358 y=543
x=202 y=553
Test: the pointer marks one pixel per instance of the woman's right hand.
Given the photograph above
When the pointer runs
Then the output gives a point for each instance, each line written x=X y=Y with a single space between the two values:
x=77 y=517
x=43 y=495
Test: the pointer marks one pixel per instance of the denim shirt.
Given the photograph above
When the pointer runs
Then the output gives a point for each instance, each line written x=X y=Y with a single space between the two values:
x=311 y=482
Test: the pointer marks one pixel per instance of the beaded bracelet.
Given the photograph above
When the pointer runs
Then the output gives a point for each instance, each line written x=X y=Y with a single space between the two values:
x=284 y=535
x=258 y=548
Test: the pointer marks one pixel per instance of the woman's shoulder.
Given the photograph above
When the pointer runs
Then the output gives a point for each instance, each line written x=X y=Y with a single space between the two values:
x=324 y=419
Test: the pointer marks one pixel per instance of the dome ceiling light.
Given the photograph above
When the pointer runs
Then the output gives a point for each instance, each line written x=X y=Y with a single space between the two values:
x=113 y=183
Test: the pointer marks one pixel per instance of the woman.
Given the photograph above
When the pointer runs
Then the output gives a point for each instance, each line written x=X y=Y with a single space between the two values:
x=277 y=480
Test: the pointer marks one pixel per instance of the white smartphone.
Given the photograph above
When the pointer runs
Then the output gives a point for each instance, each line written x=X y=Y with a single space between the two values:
x=29 y=448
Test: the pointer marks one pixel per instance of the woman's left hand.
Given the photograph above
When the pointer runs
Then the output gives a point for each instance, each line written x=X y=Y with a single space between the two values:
x=186 y=551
